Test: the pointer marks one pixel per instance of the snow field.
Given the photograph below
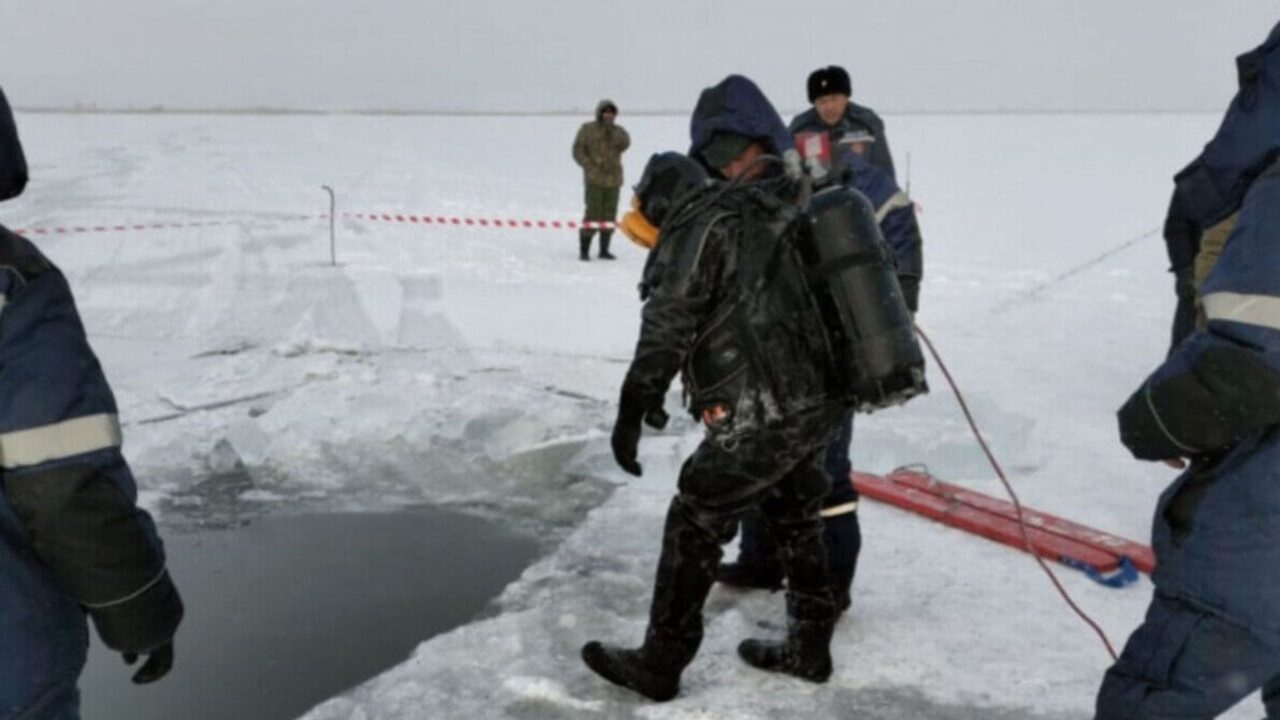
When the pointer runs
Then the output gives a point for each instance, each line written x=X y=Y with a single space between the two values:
x=478 y=368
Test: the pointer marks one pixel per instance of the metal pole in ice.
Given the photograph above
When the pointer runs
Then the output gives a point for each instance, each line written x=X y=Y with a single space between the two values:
x=333 y=245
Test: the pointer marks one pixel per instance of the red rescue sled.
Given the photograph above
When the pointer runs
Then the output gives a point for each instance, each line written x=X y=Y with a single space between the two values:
x=1050 y=537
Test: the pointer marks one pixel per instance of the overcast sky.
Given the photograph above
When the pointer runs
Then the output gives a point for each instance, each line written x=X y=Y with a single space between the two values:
x=562 y=55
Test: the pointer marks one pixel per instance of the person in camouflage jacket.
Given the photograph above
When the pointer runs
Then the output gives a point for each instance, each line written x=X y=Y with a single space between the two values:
x=598 y=148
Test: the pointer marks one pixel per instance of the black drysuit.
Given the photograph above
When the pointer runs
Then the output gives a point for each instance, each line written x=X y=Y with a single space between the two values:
x=728 y=310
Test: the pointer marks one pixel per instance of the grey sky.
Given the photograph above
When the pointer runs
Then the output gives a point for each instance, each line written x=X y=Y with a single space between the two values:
x=558 y=55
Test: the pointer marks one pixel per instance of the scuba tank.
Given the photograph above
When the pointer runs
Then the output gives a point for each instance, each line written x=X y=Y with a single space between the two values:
x=851 y=274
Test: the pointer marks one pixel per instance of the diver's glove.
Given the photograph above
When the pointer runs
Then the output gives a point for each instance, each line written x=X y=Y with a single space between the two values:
x=634 y=409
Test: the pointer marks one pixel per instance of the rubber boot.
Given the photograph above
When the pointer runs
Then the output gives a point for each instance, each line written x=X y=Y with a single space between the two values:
x=686 y=571
x=811 y=614
x=648 y=669
x=584 y=244
x=758 y=566
x=806 y=653
x=605 y=237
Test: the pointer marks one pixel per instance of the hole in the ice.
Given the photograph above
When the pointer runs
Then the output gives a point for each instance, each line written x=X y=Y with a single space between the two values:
x=285 y=611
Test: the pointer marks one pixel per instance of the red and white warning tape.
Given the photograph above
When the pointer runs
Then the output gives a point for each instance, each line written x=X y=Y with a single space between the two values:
x=443 y=220
x=132 y=227
x=83 y=229
x=483 y=222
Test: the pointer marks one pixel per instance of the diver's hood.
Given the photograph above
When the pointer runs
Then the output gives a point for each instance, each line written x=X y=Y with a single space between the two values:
x=13 y=165
x=736 y=106
x=1247 y=142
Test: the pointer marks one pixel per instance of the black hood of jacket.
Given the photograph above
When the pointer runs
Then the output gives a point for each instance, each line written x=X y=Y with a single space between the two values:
x=1248 y=141
x=13 y=164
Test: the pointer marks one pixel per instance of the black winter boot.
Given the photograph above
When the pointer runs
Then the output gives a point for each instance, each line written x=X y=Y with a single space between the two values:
x=605 y=237
x=806 y=653
x=686 y=570
x=584 y=244
x=647 y=669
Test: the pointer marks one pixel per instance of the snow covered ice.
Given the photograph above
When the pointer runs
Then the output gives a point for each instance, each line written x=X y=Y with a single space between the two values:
x=478 y=368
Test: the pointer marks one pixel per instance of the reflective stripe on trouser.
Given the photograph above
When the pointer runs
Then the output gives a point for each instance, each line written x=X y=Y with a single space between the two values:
x=57 y=441
x=842 y=509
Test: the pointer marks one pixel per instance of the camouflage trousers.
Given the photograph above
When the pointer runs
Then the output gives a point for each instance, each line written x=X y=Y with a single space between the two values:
x=601 y=202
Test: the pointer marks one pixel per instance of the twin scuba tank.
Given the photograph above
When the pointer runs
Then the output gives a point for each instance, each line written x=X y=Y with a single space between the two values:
x=851 y=275
x=849 y=278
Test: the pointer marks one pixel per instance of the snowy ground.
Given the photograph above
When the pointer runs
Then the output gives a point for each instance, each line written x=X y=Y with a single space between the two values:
x=475 y=367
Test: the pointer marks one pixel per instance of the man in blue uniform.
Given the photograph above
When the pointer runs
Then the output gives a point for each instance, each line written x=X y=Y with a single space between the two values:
x=72 y=540
x=845 y=122
x=1212 y=631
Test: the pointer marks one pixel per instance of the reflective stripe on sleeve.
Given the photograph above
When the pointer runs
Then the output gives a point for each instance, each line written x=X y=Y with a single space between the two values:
x=899 y=200
x=1260 y=310
x=22 y=448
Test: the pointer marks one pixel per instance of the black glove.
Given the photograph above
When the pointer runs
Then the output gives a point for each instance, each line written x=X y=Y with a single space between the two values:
x=1184 y=283
x=144 y=625
x=158 y=664
x=633 y=409
x=910 y=285
x=1143 y=433
x=1223 y=394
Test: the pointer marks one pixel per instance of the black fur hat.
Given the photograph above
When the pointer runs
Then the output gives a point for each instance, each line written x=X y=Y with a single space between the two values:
x=830 y=80
x=13 y=164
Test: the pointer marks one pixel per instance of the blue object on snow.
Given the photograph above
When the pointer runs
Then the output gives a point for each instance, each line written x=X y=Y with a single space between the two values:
x=1123 y=576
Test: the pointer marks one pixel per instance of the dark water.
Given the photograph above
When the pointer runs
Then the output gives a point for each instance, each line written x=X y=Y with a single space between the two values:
x=288 y=611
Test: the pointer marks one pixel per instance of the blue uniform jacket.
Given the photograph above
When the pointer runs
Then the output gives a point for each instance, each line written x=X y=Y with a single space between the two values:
x=1217 y=399
x=895 y=212
x=856 y=117
x=71 y=537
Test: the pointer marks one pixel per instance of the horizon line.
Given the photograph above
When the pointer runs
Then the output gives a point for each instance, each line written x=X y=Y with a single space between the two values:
x=393 y=112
